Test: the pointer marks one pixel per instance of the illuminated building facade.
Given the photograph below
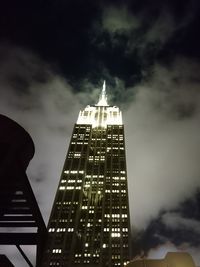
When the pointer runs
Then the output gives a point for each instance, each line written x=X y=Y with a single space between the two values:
x=89 y=223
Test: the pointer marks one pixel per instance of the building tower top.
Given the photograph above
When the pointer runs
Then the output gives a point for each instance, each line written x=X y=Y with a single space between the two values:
x=101 y=114
x=103 y=96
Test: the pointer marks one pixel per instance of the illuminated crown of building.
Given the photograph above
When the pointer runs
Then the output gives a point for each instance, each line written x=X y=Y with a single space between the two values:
x=101 y=114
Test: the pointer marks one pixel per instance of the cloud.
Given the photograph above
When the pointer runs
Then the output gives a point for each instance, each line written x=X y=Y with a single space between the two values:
x=175 y=221
x=163 y=143
x=118 y=19
x=140 y=34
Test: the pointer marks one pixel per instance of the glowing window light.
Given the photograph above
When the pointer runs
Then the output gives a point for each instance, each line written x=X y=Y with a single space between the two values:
x=70 y=187
x=56 y=250
x=62 y=188
x=91 y=211
x=51 y=229
x=73 y=172
x=115 y=234
x=78 y=187
x=107 y=190
x=61 y=230
x=100 y=116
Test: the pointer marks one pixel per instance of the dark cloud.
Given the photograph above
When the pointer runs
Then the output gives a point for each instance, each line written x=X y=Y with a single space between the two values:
x=174 y=230
x=125 y=38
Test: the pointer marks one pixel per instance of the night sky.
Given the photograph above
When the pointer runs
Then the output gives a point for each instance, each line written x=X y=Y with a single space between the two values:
x=54 y=56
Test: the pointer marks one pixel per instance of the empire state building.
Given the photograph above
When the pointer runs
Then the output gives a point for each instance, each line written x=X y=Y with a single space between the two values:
x=89 y=223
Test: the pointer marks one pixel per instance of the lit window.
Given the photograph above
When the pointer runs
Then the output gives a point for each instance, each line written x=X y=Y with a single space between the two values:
x=115 y=235
x=78 y=187
x=70 y=187
x=71 y=181
x=51 y=229
x=56 y=251
x=115 y=229
x=74 y=172
x=115 y=191
x=62 y=188
x=61 y=230
x=91 y=211
x=115 y=215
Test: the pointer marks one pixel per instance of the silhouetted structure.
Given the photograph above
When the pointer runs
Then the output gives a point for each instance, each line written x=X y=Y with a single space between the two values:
x=172 y=259
x=89 y=223
x=4 y=261
x=18 y=206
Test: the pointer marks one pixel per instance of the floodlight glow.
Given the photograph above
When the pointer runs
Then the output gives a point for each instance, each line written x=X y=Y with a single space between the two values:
x=101 y=114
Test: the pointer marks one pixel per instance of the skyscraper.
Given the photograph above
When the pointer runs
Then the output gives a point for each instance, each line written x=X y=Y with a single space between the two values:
x=89 y=223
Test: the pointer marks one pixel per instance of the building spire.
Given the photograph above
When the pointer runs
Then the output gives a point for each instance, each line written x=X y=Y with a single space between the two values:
x=103 y=96
x=104 y=86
